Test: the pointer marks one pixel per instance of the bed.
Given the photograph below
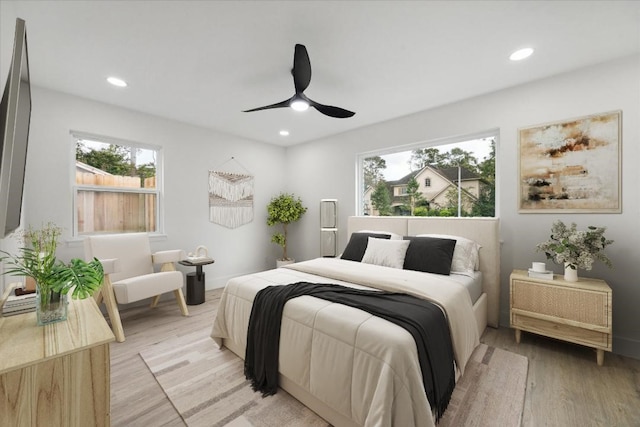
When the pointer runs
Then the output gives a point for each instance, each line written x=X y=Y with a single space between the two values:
x=354 y=369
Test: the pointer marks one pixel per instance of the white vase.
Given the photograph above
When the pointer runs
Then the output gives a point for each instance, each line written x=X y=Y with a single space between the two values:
x=570 y=274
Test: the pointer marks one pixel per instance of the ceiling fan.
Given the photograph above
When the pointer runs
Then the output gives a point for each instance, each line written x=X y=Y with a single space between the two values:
x=301 y=72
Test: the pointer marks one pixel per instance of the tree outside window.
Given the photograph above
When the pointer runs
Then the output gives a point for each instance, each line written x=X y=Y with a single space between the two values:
x=372 y=168
x=381 y=200
x=414 y=194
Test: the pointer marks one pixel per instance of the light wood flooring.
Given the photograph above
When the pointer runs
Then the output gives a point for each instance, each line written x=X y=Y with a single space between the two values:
x=565 y=387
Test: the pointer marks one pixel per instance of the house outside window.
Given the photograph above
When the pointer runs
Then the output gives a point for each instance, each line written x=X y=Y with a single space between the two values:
x=451 y=177
x=116 y=186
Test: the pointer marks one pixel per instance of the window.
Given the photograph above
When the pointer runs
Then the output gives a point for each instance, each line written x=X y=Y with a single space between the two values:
x=450 y=177
x=116 y=186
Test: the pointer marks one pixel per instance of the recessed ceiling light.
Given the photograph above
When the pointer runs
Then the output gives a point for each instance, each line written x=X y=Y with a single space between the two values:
x=117 y=82
x=284 y=132
x=521 y=54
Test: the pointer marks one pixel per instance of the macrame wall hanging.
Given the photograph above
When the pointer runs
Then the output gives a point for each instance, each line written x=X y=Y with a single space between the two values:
x=230 y=197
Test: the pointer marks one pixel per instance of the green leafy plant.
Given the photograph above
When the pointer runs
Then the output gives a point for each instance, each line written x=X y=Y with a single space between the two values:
x=576 y=248
x=50 y=274
x=381 y=199
x=284 y=209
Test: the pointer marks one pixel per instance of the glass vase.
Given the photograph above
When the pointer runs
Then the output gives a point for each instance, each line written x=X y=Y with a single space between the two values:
x=51 y=307
x=570 y=274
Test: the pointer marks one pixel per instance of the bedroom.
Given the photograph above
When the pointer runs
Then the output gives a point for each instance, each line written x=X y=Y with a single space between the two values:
x=190 y=151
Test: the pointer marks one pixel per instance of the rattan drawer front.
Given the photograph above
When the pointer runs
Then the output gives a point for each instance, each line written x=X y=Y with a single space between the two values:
x=579 y=305
x=561 y=331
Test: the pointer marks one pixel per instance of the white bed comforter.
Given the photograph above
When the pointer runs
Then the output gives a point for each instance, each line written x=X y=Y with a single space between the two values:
x=363 y=367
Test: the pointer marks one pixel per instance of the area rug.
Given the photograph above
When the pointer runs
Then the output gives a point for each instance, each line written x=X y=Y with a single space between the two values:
x=208 y=388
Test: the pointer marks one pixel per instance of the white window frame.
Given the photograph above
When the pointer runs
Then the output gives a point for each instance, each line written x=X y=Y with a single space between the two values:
x=490 y=133
x=158 y=190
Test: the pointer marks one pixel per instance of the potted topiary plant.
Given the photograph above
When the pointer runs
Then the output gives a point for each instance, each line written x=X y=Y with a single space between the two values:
x=284 y=209
x=54 y=278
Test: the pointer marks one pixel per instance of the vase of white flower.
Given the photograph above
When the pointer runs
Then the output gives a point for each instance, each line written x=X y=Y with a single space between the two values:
x=575 y=248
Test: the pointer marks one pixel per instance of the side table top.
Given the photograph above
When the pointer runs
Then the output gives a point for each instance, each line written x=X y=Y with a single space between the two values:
x=558 y=279
x=24 y=343
x=194 y=262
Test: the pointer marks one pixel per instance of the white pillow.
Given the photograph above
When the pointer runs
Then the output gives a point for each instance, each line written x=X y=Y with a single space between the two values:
x=392 y=236
x=387 y=253
x=465 y=255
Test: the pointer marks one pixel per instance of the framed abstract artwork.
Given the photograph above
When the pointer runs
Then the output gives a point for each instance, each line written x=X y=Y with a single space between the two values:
x=571 y=166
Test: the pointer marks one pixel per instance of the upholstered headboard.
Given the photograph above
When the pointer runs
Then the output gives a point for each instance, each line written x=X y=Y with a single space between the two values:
x=484 y=231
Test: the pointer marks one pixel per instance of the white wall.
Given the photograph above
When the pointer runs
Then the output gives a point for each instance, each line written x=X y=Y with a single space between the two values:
x=606 y=87
x=189 y=153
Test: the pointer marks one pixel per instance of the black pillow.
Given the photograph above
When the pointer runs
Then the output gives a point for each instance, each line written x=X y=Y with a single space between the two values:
x=429 y=254
x=358 y=245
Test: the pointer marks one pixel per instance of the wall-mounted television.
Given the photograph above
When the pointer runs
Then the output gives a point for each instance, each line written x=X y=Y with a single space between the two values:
x=15 y=117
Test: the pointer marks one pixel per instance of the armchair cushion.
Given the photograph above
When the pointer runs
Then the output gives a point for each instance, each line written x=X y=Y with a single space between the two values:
x=141 y=287
x=174 y=255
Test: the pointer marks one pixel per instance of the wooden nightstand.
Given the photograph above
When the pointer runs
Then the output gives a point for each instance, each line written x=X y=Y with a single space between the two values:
x=578 y=312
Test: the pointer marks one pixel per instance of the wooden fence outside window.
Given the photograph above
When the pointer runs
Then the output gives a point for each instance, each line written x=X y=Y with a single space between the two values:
x=113 y=211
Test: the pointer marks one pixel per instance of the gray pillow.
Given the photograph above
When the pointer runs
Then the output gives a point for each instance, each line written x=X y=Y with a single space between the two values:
x=429 y=254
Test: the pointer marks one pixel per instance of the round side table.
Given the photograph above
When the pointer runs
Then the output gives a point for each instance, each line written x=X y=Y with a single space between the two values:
x=195 y=281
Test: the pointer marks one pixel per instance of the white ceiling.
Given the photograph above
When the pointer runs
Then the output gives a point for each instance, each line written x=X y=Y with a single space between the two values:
x=203 y=62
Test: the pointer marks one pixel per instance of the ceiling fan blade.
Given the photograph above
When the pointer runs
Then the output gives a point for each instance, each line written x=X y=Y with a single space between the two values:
x=301 y=68
x=331 y=111
x=282 y=104
x=301 y=72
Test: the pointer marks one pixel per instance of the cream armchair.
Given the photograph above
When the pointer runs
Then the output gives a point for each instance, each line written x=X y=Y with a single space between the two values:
x=129 y=273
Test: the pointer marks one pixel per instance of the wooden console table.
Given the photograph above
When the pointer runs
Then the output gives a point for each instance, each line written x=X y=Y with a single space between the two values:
x=56 y=375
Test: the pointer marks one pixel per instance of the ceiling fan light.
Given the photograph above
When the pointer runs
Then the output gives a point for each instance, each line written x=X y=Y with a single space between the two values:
x=299 y=105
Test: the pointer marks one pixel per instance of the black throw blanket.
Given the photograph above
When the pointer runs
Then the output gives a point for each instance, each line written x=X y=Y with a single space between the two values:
x=422 y=319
